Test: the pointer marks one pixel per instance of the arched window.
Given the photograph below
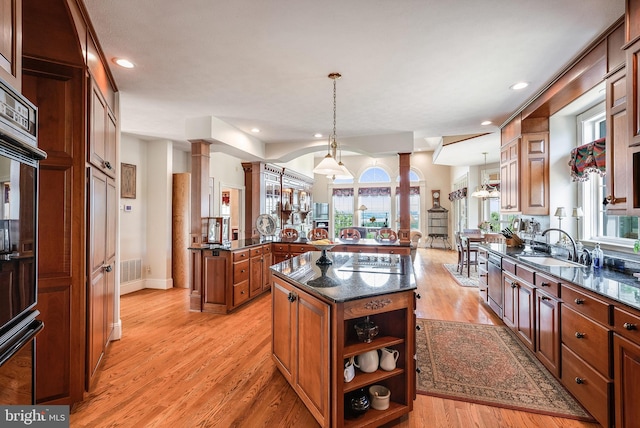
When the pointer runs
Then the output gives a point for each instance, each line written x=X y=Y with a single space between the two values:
x=374 y=175
x=413 y=176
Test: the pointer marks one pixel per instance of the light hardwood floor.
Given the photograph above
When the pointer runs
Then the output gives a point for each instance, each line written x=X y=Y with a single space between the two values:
x=175 y=368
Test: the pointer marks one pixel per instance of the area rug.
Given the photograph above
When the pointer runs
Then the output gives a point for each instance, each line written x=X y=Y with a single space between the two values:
x=463 y=279
x=487 y=364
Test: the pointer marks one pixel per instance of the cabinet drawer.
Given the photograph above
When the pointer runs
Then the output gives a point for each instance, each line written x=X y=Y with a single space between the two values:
x=548 y=284
x=626 y=325
x=299 y=249
x=266 y=249
x=257 y=251
x=401 y=250
x=240 y=255
x=240 y=271
x=586 y=305
x=240 y=293
x=525 y=273
x=587 y=385
x=281 y=248
x=586 y=338
x=509 y=266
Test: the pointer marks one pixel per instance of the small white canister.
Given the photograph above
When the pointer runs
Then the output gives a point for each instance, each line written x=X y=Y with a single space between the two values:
x=380 y=396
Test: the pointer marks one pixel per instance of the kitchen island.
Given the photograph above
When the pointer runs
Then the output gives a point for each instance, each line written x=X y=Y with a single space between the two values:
x=315 y=310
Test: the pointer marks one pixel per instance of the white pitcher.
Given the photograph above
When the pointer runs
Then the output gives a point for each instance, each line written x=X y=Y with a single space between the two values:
x=367 y=362
x=388 y=358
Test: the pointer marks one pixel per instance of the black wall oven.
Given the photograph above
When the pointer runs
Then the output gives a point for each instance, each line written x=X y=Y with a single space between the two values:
x=19 y=160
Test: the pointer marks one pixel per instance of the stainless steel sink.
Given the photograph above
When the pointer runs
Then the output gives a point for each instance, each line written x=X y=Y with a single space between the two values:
x=549 y=261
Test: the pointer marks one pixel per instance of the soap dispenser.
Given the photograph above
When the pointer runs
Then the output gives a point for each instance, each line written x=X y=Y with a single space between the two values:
x=597 y=257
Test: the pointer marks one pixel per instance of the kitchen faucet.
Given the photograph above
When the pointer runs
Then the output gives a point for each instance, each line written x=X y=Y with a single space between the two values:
x=575 y=248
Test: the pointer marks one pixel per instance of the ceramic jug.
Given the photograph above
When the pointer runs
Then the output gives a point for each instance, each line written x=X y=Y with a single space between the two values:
x=388 y=358
x=368 y=362
x=349 y=370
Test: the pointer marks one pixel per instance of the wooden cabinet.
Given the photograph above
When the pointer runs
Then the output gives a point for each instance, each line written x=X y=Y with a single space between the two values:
x=535 y=173
x=626 y=364
x=214 y=279
x=510 y=176
x=11 y=42
x=101 y=291
x=256 y=268
x=284 y=251
x=586 y=351
x=102 y=133
x=483 y=274
x=301 y=346
x=267 y=257
x=547 y=325
x=312 y=338
x=617 y=143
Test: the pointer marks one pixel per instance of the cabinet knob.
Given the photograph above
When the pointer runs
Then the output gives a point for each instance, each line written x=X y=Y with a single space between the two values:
x=579 y=380
x=242 y=271
x=514 y=284
x=291 y=297
x=242 y=292
x=418 y=328
x=629 y=326
x=107 y=268
x=107 y=165
x=418 y=296
x=579 y=301
x=545 y=284
x=580 y=335
x=545 y=298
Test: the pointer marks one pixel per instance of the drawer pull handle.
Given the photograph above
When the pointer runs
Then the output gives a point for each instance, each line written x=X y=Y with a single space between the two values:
x=545 y=284
x=291 y=297
x=579 y=301
x=514 y=285
x=545 y=298
x=418 y=296
x=242 y=292
x=242 y=271
x=579 y=380
x=580 y=335
x=418 y=328
x=629 y=326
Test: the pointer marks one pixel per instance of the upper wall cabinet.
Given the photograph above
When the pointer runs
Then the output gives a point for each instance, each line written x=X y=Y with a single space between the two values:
x=11 y=42
x=102 y=140
x=617 y=143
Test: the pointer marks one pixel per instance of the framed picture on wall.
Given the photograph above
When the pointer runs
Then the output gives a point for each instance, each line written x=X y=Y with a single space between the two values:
x=128 y=183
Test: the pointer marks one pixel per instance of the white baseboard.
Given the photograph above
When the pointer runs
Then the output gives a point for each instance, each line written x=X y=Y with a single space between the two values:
x=116 y=334
x=130 y=287
x=159 y=284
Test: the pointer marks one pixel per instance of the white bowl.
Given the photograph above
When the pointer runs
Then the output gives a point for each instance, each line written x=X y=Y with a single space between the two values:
x=380 y=397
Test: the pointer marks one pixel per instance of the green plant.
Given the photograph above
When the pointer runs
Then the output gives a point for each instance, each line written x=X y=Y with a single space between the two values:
x=495 y=221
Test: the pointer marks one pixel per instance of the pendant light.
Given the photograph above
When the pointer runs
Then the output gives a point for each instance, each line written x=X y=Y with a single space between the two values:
x=330 y=166
x=486 y=190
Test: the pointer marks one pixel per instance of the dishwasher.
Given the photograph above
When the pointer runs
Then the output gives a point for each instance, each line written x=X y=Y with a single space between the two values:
x=494 y=282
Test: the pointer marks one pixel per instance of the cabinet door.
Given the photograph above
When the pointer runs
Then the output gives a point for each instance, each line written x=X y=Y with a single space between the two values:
x=633 y=95
x=510 y=176
x=283 y=328
x=102 y=133
x=214 y=279
x=547 y=329
x=510 y=304
x=11 y=42
x=255 y=277
x=312 y=367
x=617 y=143
x=526 y=314
x=627 y=381
x=266 y=272
x=535 y=173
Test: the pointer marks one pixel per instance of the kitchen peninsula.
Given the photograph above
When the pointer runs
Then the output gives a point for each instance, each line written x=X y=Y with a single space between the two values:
x=224 y=277
x=315 y=310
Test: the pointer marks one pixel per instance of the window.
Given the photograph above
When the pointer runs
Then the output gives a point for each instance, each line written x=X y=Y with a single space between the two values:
x=597 y=224
x=342 y=209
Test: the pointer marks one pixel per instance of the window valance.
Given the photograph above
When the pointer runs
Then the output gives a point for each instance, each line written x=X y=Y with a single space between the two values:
x=588 y=158
x=343 y=192
x=374 y=191
x=413 y=190
x=458 y=194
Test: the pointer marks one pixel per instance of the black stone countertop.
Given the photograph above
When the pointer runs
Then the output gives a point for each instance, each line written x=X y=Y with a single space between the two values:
x=616 y=284
x=247 y=243
x=332 y=284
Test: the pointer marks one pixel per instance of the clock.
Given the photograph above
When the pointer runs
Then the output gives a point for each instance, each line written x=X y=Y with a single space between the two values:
x=435 y=194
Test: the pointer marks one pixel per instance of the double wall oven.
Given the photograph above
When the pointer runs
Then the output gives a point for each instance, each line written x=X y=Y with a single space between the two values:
x=19 y=159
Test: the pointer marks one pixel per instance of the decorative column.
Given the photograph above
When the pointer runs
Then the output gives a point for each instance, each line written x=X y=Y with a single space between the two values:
x=199 y=188
x=180 y=230
x=404 y=236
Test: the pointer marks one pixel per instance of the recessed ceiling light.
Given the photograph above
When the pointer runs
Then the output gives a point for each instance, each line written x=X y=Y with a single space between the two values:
x=317 y=135
x=256 y=130
x=125 y=63
x=486 y=122
x=519 y=85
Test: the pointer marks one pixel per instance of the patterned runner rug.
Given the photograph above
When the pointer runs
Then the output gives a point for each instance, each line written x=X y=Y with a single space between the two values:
x=463 y=279
x=487 y=364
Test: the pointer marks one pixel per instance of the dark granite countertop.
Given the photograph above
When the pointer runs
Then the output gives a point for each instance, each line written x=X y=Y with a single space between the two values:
x=617 y=284
x=247 y=243
x=335 y=283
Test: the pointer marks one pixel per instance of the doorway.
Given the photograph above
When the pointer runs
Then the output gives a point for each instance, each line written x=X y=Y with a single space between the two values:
x=231 y=206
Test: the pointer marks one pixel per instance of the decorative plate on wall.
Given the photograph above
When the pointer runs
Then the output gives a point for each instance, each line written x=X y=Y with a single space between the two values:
x=266 y=225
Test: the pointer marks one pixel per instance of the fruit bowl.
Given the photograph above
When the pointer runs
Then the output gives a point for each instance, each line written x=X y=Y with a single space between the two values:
x=323 y=245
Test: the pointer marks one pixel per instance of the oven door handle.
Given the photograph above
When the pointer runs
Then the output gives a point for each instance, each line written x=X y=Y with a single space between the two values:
x=8 y=351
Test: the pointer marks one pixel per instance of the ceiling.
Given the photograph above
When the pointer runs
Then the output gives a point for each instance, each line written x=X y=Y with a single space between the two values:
x=413 y=71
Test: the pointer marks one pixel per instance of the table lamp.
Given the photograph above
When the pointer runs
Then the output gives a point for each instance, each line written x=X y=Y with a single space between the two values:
x=561 y=212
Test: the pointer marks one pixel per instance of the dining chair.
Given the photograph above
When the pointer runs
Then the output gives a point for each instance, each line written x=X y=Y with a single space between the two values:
x=467 y=254
x=317 y=233
x=386 y=234
x=349 y=234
